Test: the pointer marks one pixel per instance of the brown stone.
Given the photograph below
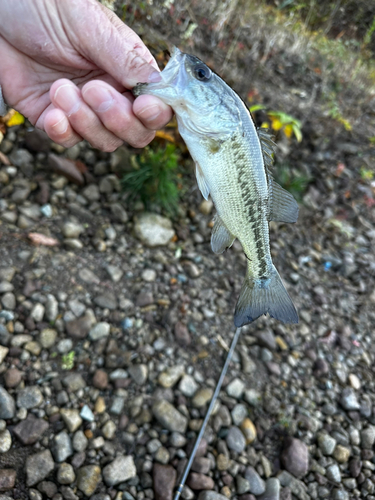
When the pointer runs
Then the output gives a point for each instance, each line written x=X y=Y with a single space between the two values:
x=100 y=379
x=7 y=479
x=198 y=481
x=164 y=477
x=29 y=431
x=182 y=334
x=67 y=168
x=12 y=377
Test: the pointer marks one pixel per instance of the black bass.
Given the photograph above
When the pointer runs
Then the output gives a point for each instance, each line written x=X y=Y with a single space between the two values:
x=232 y=159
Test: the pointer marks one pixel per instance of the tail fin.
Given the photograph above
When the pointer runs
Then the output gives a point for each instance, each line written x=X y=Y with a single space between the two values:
x=262 y=296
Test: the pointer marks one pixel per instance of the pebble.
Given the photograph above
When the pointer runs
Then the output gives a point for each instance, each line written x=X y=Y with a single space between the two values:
x=74 y=382
x=87 y=414
x=106 y=301
x=182 y=334
x=99 y=331
x=171 y=376
x=71 y=418
x=333 y=473
x=88 y=478
x=7 y=479
x=354 y=381
x=164 y=479
x=349 y=400
x=100 y=379
x=3 y=352
x=37 y=312
x=235 y=388
x=326 y=443
x=149 y=275
x=30 y=430
x=198 y=481
x=65 y=474
x=222 y=462
x=80 y=441
x=38 y=467
x=272 y=490
x=80 y=327
x=62 y=447
x=72 y=230
x=119 y=213
x=202 y=397
x=5 y=441
x=7 y=404
x=121 y=469
x=47 y=338
x=249 y=430
x=8 y=301
x=188 y=386
x=368 y=437
x=153 y=229
x=257 y=485
x=341 y=454
x=12 y=378
x=239 y=413
x=295 y=457
x=138 y=373
x=236 y=440
x=29 y=397
x=211 y=495
x=52 y=308
x=169 y=417
x=109 y=429
x=242 y=485
x=115 y=273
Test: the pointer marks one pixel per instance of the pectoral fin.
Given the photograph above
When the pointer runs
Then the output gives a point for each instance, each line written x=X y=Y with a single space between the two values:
x=202 y=183
x=283 y=207
x=221 y=238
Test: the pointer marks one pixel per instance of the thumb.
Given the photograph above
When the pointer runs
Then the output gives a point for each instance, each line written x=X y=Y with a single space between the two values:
x=107 y=42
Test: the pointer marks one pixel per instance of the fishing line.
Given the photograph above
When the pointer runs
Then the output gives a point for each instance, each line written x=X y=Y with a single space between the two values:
x=208 y=414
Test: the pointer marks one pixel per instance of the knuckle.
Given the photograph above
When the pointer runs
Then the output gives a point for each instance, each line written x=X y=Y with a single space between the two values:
x=141 y=142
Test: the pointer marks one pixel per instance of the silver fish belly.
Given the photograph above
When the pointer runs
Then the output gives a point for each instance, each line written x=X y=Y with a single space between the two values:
x=232 y=160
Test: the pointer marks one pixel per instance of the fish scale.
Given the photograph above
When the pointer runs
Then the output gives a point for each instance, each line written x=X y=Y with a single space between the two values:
x=232 y=160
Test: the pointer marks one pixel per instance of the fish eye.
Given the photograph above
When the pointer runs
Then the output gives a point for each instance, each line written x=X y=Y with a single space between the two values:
x=202 y=73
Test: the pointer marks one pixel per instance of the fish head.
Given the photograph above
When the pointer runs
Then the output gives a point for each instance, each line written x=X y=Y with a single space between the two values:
x=202 y=101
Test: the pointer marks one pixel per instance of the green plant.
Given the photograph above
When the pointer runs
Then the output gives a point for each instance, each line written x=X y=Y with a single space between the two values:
x=294 y=182
x=366 y=174
x=335 y=113
x=281 y=121
x=67 y=360
x=154 y=178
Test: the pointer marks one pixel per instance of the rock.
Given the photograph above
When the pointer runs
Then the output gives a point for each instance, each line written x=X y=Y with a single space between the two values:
x=30 y=430
x=333 y=473
x=144 y=299
x=349 y=400
x=119 y=471
x=109 y=429
x=201 y=465
x=355 y=466
x=80 y=441
x=106 y=301
x=38 y=467
x=119 y=213
x=65 y=474
x=7 y=405
x=138 y=373
x=182 y=334
x=242 y=485
x=3 y=352
x=37 y=141
x=87 y=414
x=235 y=388
x=188 y=386
x=341 y=454
x=164 y=478
x=62 y=447
x=71 y=418
x=5 y=441
x=91 y=192
x=8 y=301
x=5 y=287
x=153 y=229
x=368 y=437
x=197 y=481
x=326 y=443
x=12 y=378
x=99 y=331
x=66 y=168
x=222 y=462
x=171 y=376
x=47 y=338
x=236 y=440
x=239 y=413
x=169 y=417
x=88 y=276
x=249 y=430
x=100 y=379
x=211 y=495
x=74 y=381
x=257 y=485
x=7 y=479
x=88 y=478
x=29 y=397
x=295 y=457
x=37 y=312
x=52 y=308
x=72 y=230
x=202 y=397
x=115 y=273
x=272 y=490
x=149 y=275
x=79 y=328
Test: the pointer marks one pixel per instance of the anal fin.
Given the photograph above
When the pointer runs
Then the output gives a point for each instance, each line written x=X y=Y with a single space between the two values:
x=283 y=206
x=202 y=183
x=221 y=238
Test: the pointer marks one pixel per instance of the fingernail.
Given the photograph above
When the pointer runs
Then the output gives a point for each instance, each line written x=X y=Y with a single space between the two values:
x=98 y=98
x=67 y=98
x=154 y=77
x=61 y=126
x=149 y=113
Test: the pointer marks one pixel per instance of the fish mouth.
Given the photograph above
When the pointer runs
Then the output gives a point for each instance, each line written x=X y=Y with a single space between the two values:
x=173 y=76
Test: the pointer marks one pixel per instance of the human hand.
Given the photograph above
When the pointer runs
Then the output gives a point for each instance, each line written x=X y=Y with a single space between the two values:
x=66 y=67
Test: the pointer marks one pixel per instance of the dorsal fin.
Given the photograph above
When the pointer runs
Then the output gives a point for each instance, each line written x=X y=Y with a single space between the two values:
x=267 y=145
x=282 y=205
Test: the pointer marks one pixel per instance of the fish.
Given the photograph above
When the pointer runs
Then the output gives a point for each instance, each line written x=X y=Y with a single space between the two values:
x=232 y=165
